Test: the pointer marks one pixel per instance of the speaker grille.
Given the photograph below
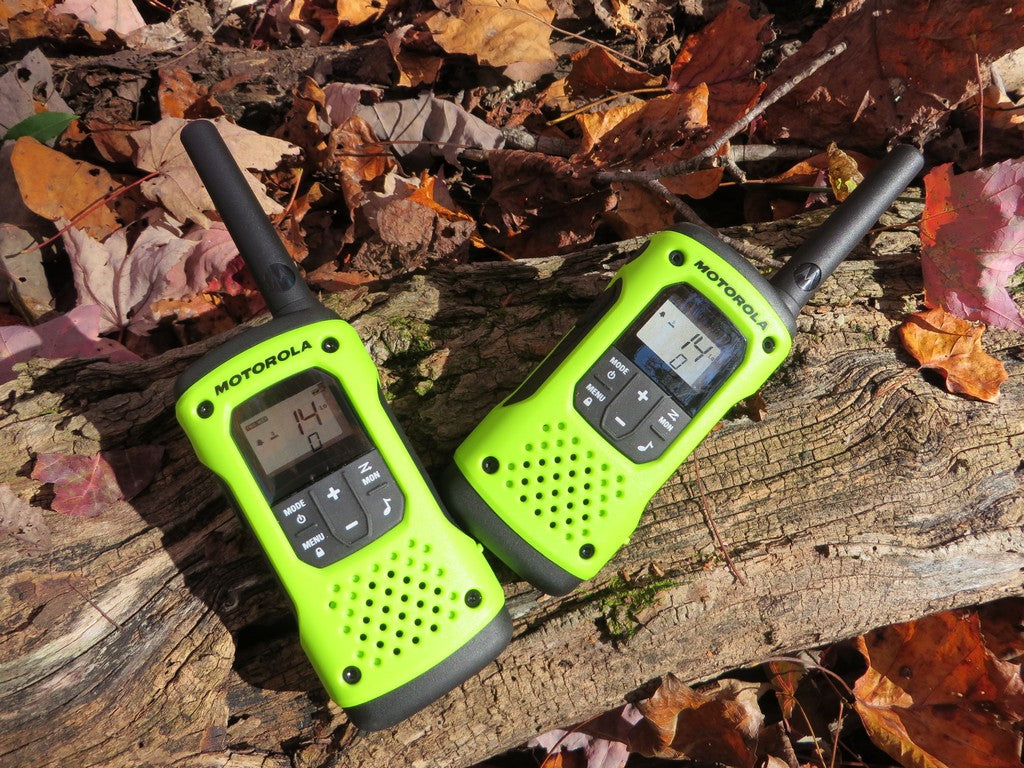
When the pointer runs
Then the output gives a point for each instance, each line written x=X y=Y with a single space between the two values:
x=400 y=606
x=562 y=484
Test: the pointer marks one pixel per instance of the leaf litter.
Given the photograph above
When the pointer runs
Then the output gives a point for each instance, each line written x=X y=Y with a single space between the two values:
x=476 y=130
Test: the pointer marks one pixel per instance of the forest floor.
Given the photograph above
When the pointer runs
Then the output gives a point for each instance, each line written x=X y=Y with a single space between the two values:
x=388 y=136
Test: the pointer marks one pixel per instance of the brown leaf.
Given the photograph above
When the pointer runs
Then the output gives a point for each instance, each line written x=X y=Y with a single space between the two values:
x=180 y=96
x=952 y=346
x=659 y=125
x=933 y=697
x=513 y=34
x=784 y=677
x=596 y=72
x=1002 y=624
x=23 y=522
x=86 y=486
x=843 y=173
x=541 y=204
x=680 y=723
x=723 y=52
x=55 y=186
x=909 y=62
x=178 y=187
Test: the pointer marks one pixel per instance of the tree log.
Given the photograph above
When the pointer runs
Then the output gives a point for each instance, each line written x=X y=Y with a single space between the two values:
x=154 y=634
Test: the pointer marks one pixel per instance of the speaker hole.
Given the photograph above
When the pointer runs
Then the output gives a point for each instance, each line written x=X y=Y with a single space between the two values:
x=366 y=619
x=332 y=605
x=379 y=643
x=545 y=428
x=415 y=641
x=397 y=651
x=391 y=574
x=433 y=627
x=336 y=588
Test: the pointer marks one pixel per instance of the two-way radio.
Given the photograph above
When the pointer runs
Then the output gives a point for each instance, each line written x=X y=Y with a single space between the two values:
x=555 y=478
x=395 y=605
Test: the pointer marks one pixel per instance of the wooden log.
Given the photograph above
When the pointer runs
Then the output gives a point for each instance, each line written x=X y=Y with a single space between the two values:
x=154 y=634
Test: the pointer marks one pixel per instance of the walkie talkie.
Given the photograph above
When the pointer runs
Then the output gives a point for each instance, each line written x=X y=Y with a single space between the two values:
x=395 y=605
x=555 y=478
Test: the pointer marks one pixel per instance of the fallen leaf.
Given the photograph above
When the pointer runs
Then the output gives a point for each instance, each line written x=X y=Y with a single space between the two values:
x=596 y=72
x=952 y=346
x=120 y=16
x=658 y=126
x=724 y=52
x=178 y=187
x=933 y=697
x=596 y=743
x=843 y=172
x=181 y=96
x=57 y=187
x=415 y=128
x=124 y=283
x=719 y=727
x=411 y=49
x=511 y=34
x=72 y=335
x=541 y=204
x=972 y=241
x=356 y=157
x=86 y=486
x=27 y=286
x=1002 y=626
x=23 y=522
x=26 y=89
x=594 y=125
x=784 y=677
x=908 y=64
x=647 y=21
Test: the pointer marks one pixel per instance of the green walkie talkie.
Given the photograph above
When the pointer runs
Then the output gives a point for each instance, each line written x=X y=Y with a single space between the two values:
x=555 y=478
x=395 y=605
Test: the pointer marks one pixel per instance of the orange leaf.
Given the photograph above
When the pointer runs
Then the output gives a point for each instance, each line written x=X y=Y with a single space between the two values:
x=952 y=346
x=596 y=72
x=55 y=186
x=719 y=728
x=934 y=697
x=594 y=125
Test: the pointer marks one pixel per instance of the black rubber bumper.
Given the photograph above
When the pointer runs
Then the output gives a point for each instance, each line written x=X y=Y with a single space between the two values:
x=481 y=522
x=391 y=708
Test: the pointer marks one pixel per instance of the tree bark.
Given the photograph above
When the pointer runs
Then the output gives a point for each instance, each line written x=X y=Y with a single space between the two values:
x=154 y=634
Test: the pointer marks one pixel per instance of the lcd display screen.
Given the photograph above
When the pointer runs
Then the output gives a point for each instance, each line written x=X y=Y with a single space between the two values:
x=685 y=344
x=296 y=431
x=295 y=427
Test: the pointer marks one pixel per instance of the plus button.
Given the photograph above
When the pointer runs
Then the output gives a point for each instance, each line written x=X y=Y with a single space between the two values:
x=332 y=494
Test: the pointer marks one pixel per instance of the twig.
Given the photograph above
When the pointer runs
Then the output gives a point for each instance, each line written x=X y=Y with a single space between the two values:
x=692 y=163
x=981 y=108
x=602 y=100
x=714 y=528
x=81 y=215
x=565 y=32
x=754 y=153
x=90 y=601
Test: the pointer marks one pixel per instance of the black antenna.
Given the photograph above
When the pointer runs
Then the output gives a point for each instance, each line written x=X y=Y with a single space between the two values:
x=833 y=241
x=271 y=267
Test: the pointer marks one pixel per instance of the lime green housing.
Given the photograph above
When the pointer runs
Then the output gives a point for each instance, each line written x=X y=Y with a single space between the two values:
x=395 y=608
x=559 y=484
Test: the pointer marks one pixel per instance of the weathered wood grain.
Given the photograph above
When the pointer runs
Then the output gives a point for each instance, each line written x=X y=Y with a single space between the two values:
x=155 y=635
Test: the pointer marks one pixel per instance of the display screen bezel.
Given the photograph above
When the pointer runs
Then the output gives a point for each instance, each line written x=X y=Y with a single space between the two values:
x=704 y=314
x=308 y=469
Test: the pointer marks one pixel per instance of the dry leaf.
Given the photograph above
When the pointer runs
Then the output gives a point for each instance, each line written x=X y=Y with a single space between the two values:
x=124 y=283
x=596 y=72
x=178 y=187
x=933 y=697
x=952 y=346
x=417 y=128
x=72 y=335
x=57 y=187
x=180 y=96
x=86 y=486
x=594 y=125
x=720 y=727
x=1002 y=626
x=843 y=173
x=23 y=522
x=120 y=16
x=657 y=127
x=513 y=34
x=971 y=241
x=26 y=89
x=908 y=64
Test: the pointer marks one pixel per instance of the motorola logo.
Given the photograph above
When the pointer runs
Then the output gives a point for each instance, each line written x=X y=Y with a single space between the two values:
x=280 y=276
x=807 y=277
